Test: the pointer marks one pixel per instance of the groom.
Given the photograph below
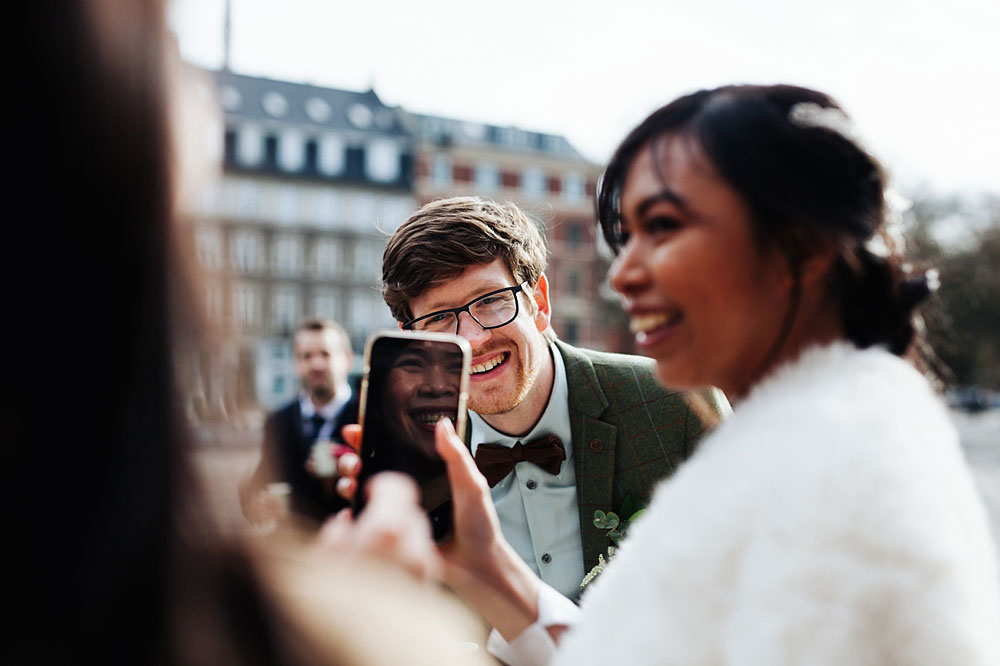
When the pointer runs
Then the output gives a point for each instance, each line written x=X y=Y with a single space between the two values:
x=559 y=432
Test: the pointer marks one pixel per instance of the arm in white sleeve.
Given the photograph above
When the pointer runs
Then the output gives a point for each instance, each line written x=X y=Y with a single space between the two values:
x=534 y=646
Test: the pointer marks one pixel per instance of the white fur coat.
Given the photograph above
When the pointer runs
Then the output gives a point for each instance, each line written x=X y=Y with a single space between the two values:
x=830 y=521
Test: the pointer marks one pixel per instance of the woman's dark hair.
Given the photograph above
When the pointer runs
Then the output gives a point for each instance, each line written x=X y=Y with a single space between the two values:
x=110 y=558
x=788 y=152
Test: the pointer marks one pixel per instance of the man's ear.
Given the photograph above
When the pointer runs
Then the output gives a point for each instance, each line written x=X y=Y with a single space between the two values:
x=540 y=293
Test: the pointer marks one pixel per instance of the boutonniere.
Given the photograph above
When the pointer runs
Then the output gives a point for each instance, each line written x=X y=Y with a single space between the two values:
x=617 y=528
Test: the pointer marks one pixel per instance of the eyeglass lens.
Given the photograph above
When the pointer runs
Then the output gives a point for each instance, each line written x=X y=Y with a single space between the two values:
x=490 y=311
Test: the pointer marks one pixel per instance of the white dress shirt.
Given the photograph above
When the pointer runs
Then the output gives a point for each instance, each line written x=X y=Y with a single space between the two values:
x=538 y=511
x=330 y=411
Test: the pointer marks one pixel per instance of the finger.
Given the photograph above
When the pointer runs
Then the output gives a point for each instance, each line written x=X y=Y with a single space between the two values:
x=336 y=531
x=391 y=490
x=349 y=464
x=346 y=487
x=463 y=475
x=352 y=435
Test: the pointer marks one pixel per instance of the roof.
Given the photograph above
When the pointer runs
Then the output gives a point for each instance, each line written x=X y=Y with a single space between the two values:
x=255 y=98
x=449 y=131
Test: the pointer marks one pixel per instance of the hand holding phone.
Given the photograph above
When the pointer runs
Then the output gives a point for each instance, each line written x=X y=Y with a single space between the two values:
x=411 y=381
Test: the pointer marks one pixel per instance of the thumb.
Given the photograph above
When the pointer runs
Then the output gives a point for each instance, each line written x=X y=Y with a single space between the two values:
x=463 y=475
x=352 y=435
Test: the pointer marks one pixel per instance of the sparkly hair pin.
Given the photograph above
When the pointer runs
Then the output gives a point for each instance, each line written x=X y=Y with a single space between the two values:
x=810 y=114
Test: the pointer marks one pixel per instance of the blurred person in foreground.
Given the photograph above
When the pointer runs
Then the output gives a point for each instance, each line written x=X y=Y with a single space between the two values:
x=112 y=558
x=831 y=519
x=325 y=404
x=560 y=431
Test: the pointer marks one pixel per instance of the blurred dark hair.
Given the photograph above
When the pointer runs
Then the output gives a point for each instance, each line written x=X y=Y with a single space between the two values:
x=806 y=184
x=113 y=558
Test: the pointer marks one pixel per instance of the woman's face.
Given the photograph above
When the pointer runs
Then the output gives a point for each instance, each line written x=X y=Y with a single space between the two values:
x=422 y=388
x=705 y=302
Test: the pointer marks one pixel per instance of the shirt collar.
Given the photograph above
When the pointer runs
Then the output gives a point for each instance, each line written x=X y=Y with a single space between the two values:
x=327 y=411
x=554 y=420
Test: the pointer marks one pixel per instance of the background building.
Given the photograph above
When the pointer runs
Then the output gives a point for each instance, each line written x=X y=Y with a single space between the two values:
x=313 y=179
x=551 y=182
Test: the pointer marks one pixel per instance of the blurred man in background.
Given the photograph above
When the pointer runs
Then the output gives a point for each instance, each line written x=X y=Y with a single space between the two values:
x=326 y=402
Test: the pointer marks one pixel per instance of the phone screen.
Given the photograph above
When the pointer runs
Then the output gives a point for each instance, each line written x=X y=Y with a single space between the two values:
x=411 y=381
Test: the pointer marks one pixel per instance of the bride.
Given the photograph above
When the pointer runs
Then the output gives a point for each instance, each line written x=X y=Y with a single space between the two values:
x=831 y=519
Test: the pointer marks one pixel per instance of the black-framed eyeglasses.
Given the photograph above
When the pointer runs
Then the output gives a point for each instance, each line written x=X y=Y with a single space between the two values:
x=493 y=310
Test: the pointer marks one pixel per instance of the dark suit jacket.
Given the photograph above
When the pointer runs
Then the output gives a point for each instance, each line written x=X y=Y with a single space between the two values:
x=628 y=433
x=283 y=458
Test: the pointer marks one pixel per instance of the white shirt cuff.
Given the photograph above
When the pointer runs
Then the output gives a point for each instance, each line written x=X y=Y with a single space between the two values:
x=534 y=646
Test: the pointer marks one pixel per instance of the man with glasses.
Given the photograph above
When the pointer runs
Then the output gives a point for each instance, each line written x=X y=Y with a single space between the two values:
x=559 y=432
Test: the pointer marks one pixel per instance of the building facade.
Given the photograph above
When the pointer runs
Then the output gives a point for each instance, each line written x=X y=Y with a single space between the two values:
x=313 y=179
x=554 y=185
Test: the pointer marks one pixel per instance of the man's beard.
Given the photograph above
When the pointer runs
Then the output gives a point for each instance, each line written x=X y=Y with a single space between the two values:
x=504 y=401
x=321 y=393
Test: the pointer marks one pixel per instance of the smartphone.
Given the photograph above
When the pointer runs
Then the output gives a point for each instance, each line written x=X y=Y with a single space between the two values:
x=411 y=381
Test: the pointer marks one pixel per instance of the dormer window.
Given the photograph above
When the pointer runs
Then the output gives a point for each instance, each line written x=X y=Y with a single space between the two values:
x=274 y=104
x=360 y=115
x=318 y=110
x=230 y=98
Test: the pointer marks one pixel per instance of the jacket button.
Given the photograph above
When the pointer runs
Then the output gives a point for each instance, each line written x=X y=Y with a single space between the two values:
x=596 y=445
x=546 y=558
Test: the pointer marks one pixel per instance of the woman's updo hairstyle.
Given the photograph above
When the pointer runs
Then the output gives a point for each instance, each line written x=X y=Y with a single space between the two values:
x=791 y=155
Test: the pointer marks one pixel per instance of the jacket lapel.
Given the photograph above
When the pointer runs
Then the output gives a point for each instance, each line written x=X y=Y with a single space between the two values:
x=593 y=449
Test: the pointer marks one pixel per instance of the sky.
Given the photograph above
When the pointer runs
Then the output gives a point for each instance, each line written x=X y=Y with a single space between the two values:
x=921 y=79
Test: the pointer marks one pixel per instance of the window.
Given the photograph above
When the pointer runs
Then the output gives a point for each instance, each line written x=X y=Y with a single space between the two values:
x=318 y=110
x=574 y=235
x=208 y=243
x=229 y=146
x=286 y=203
x=326 y=258
x=285 y=308
x=363 y=312
x=572 y=187
x=271 y=151
x=367 y=261
x=382 y=160
x=487 y=177
x=364 y=212
x=394 y=211
x=331 y=155
x=291 y=153
x=247 y=197
x=245 y=248
x=230 y=98
x=573 y=282
x=441 y=170
x=213 y=303
x=245 y=307
x=249 y=145
x=533 y=182
x=328 y=206
x=324 y=304
x=274 y=104
x=287 y=255
x=572 y=331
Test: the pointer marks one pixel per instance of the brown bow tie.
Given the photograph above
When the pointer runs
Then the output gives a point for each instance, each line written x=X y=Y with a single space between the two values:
x=496 y=462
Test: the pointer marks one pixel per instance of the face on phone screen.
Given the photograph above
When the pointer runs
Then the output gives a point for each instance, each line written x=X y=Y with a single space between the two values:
x=411 y=383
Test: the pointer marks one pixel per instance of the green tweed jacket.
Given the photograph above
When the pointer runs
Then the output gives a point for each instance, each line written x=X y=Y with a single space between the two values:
x=628 y=433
